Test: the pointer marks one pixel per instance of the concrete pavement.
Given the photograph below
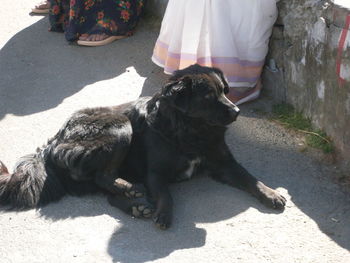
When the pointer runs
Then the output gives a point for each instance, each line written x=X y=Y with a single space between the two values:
x=43 y=80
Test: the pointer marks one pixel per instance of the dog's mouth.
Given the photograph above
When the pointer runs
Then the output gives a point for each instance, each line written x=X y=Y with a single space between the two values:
x=232 y=111
x=236 y=112
x=225 y=119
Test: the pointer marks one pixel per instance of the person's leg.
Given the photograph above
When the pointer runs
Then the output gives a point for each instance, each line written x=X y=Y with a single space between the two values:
x=109 y=21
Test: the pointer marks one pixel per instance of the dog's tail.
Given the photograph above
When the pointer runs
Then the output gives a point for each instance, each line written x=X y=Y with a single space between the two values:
x=32 y=183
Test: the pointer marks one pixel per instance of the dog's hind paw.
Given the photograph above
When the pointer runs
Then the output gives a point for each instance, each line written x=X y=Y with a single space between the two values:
x=135 y=192
x=138 y=207
x=130 y=190
x=141 y=210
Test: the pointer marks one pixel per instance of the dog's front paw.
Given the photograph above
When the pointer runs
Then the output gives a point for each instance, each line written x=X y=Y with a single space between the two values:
x=271 y=198
x=162 y=220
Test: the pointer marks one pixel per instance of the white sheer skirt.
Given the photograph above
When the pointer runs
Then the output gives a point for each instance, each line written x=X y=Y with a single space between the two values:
x=232 y=35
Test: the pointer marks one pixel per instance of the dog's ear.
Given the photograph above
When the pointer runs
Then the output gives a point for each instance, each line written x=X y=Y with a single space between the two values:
x=178 y=93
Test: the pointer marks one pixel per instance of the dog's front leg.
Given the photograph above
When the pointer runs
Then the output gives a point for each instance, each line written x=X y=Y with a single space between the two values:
x=160 y=194
x=229 y=171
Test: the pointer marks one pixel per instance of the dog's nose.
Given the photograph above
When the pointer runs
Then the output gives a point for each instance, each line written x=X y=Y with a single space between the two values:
x=234 y=111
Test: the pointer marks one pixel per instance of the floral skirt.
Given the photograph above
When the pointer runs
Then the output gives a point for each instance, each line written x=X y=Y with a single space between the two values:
x=112 y=17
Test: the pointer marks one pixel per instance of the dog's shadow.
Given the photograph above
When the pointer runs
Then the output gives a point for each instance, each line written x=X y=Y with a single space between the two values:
x=198 y=201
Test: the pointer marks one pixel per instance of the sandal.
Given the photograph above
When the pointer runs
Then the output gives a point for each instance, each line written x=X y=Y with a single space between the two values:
x=91 y=43
x=42 y=8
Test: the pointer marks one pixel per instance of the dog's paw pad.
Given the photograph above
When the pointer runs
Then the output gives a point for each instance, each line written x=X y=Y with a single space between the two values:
x=135 y=191
x=135 y=212
x=133 y=194
x=141 y=211
x=130 y=190
x=138 y=195
x=147 y=213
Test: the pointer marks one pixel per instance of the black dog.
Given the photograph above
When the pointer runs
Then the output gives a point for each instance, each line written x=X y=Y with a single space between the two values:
x=150 y=142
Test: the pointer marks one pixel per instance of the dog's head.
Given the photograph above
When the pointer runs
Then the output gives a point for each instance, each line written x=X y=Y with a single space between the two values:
x=199 y=92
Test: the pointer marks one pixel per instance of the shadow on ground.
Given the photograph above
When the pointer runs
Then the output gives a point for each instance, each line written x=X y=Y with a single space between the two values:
x=270 y=152
x=38 y=72
x=202 y=200
x=39 y=69
x=138 y=240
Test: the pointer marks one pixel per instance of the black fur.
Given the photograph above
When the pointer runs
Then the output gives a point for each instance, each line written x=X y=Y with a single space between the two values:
x=150 y=142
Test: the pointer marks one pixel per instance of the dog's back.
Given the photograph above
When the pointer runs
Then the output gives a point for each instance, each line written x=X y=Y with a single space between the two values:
x=90 y=142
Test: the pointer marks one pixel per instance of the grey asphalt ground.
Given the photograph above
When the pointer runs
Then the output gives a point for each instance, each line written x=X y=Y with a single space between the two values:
x=43 y=80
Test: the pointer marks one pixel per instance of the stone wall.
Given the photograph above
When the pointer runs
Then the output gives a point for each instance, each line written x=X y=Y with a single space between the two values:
x=311 y=48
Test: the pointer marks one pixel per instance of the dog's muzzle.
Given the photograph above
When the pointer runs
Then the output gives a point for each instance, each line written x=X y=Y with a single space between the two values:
x=234 y=112
x=233 y=109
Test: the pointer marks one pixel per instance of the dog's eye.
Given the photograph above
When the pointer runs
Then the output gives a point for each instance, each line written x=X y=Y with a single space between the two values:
x=209 y=95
